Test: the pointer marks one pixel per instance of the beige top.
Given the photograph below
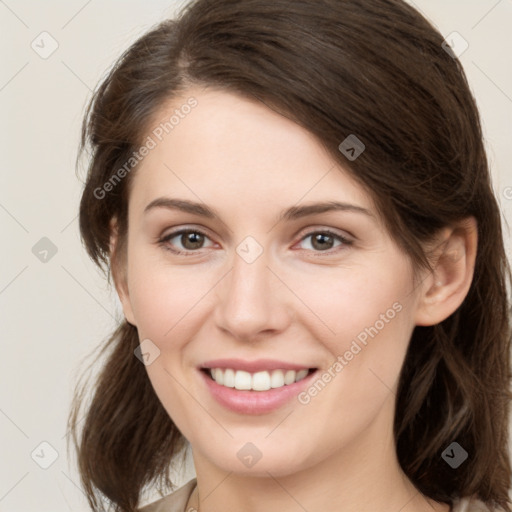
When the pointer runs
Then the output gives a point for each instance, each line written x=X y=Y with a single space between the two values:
x=177 y=501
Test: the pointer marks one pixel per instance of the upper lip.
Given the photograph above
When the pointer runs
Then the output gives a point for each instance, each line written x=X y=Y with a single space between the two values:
x=257 y=365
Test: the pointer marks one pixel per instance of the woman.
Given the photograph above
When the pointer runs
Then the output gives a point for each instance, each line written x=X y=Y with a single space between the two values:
x=294 y=200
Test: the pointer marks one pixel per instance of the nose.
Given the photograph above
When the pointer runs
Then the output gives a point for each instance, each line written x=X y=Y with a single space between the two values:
x=251 y=300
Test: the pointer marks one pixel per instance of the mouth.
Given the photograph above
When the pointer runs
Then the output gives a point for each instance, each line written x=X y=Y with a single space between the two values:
x=255 y=386
x=242 y=380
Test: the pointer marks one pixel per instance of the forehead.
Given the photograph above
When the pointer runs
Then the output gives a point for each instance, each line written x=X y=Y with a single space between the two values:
x=229 y=147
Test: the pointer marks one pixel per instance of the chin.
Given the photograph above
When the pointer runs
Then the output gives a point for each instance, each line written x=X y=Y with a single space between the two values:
x=247 y=459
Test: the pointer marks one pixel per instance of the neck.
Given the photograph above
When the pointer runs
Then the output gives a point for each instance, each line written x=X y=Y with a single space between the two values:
x=364 y=475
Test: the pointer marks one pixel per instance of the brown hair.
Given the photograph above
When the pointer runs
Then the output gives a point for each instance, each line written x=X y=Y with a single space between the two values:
x=374 y=68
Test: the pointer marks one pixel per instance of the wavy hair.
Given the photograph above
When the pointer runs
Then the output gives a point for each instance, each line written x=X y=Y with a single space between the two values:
x=375 y=68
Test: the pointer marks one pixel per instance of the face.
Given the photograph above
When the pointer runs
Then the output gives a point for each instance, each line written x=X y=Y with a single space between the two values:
x=263 y=283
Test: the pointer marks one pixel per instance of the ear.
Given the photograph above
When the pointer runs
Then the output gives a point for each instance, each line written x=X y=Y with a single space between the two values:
x=118 y=267
x=444 y=289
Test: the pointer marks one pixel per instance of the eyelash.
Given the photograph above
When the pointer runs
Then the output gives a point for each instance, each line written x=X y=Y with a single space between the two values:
x=164 y=241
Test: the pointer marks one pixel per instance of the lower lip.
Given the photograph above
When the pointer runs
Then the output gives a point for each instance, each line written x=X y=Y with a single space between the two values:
x=255 y=402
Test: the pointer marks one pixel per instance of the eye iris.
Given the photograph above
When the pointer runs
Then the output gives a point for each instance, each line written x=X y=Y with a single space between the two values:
x=196 y=239
x=322 y=237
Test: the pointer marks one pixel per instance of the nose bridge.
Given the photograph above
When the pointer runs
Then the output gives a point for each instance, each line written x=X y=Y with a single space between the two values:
x=249 y=280
x=250 y=272
x=249 y=300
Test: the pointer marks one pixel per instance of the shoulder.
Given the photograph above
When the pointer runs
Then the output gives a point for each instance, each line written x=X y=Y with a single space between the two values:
x=469 y=504
x=174 y=502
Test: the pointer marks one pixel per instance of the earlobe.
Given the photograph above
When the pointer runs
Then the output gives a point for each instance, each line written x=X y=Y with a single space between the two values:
x=118 y=268
x=446 y=287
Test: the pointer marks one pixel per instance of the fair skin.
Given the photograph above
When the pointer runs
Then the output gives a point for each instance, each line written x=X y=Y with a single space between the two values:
x=295 y=302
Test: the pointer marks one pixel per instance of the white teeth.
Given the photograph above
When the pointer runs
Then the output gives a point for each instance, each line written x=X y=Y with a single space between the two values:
x=242 y=380
x=218 y=377
x=301 y=374
x=289 y=377
x=229 y=378
x=277 y=379
x=259 y=381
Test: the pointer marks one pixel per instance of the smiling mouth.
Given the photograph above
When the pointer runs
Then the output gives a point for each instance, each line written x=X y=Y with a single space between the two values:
x=258 y=381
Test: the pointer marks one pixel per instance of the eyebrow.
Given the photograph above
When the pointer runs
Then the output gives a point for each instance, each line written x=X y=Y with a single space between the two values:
x=292 y=213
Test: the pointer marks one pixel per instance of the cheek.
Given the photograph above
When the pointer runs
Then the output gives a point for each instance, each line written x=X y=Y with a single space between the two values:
x=356 y=304
x=368 y=350
x=370 y=320
x=169 y=304
x=337 y=305
x=164 y=297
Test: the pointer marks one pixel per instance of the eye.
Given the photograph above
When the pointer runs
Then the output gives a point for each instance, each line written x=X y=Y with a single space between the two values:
x=322 y=241
x=191 y=240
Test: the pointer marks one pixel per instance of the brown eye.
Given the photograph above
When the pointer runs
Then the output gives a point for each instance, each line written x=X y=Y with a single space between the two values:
x=322 y=241
x=193 y=238
x=190 y=239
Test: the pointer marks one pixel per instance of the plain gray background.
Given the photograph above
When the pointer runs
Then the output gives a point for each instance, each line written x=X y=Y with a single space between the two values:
x=54 y=312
